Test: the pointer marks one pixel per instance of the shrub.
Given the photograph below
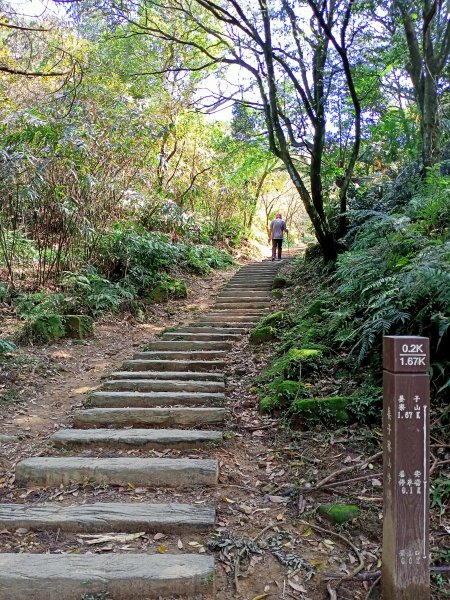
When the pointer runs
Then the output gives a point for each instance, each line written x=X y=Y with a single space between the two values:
x=94 y=295
x=45 y=328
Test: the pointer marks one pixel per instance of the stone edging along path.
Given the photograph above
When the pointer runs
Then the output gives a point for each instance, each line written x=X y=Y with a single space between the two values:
x=175 y=384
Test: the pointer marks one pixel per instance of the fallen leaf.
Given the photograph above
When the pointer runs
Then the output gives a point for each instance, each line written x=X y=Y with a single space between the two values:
x=158 y=536
x=161 y=549
x=276 y=499
x=228 y=500
x=297 y=587
x=307 y=532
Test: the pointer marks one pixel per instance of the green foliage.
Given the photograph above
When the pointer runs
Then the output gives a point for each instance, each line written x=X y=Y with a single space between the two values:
x=6 y=347
x=95 y=295
x=280 y=320
x=280 y=281
x=167 y=289
x=339 y=513
x=326 y=411
x=45 y=328
x=440 y=494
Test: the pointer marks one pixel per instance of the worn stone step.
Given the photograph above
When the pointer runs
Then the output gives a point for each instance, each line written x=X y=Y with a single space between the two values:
x=243 y=297
x=102 y=517
x=174 y=365
x=257 y=301
x=236 y=310
x=244 y=306
x=213 y=327
x=115 y=576
x=248 y=322
x=202 y=337
x=142 y=438
x=238 y=314
x=119 y=399
x=190 y=344
x=163 y=385
x=251 y=276
x=169 y=375
x=141 y=417
x=50 y=471
x=248 y=288
x=177 y=355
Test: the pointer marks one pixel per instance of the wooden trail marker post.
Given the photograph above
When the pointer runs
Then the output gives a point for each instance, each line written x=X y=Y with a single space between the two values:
x=406 y=426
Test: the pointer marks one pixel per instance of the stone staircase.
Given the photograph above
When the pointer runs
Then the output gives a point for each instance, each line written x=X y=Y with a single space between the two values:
x=160 y=400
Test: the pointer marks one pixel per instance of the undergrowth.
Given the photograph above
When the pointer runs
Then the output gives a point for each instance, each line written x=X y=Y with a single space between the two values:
x=130 y=268
x=394 y=279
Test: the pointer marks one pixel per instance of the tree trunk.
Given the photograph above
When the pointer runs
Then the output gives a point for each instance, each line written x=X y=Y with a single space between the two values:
x=430 y=128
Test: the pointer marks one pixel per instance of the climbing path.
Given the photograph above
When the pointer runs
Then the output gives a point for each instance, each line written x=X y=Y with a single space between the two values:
x=160 y=400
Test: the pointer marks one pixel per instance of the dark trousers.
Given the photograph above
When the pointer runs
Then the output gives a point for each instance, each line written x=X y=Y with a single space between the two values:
x=277 y=244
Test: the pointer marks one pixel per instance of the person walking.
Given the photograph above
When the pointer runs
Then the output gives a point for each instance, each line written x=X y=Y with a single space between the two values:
x=277 y=230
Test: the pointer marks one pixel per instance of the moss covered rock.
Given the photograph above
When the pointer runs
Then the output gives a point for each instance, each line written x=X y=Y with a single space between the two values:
x=46 y=328
x=167 y=289
x=328 y=411
x=277 y=294
x=282 y=392
x=280 y=281
x=78 y=327
x=339 y=513
x=263 y=334
x=300 y=363
x=278 y=319
x=268 y=404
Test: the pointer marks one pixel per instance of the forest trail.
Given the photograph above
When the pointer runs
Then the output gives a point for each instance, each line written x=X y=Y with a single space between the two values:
x=168 y=398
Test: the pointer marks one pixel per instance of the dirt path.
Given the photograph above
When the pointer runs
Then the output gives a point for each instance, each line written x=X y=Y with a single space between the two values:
x=269 y=541
x=46 y=384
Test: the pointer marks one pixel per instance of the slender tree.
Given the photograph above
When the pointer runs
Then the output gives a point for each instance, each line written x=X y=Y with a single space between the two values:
x=291 y=53
x=426 y=28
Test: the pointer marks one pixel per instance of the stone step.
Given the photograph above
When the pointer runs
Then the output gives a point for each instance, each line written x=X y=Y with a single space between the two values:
x=192 y=344
x=254 y=276
x=178 y=355
x=142 y=417
x=141 y=438
x=249 y=321
x=118 y=399
x=163 y=386
x=202 y=337
x=256 y=302
x=244 y=306
x=247 y=288
x=214 y=327
x=238 y=314
x=174 y=365
x=102 y=517
x=169 y=375
x=243 y=297
x=50 y=471
x=115 y=576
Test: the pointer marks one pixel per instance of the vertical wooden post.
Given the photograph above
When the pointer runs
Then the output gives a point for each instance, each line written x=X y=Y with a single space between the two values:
x=406 y=419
